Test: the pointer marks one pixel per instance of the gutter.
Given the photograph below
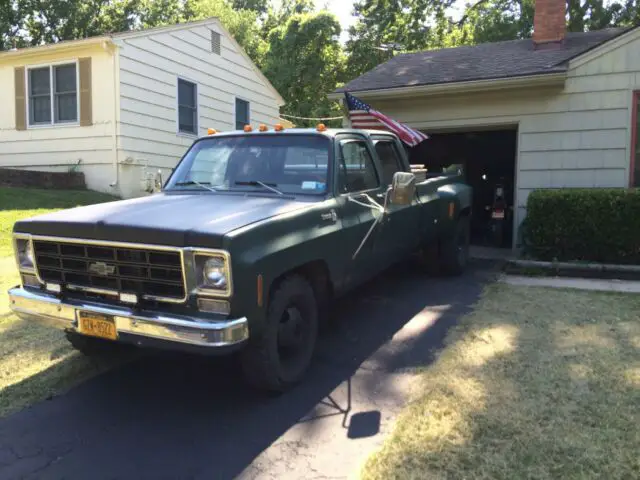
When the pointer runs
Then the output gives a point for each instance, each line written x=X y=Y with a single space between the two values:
x=541 y=80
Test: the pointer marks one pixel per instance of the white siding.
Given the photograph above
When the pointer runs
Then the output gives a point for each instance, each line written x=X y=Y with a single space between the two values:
x=57 y=148
x=576 y=137
x=149 y=68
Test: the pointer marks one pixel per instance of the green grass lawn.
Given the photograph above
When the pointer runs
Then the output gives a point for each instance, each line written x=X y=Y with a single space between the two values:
x=18 y=203
x=534 y=384
x=35 y=361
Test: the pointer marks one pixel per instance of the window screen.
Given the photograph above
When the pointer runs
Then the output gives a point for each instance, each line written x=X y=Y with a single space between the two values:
x=53 y=86
x=242 y=113
x=357 y=171
x=187 y=107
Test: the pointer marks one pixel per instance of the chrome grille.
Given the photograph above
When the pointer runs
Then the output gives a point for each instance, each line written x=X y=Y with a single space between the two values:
x=151 y=274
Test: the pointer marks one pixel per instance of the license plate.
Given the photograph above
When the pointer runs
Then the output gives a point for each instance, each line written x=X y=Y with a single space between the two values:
x=97 y=325
x=497 y=214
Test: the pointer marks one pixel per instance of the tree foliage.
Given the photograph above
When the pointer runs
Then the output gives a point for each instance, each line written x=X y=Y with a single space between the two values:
x=304 y=62
x=295 y=44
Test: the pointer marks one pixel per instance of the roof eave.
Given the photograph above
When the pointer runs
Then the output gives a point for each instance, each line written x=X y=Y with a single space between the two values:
x=68 y=46
x=556 y=78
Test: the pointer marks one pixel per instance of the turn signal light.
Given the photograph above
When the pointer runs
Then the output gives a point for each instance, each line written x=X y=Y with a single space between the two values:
x=247 y=128
x=278 y=127
x=211 y=131
x=263 y=128
x=321 y=127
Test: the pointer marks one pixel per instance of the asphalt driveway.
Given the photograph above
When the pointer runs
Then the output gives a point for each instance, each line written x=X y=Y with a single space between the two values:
x=177 y=417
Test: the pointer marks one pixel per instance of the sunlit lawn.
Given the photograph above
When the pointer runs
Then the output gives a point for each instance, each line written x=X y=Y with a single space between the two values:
x=35 y=361
x=535 y=383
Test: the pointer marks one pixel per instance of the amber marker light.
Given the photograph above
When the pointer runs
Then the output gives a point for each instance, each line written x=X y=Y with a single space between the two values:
x=247 y=128
x=321 y=127
x=263 y=128
x=278 y=127
x=211 y=131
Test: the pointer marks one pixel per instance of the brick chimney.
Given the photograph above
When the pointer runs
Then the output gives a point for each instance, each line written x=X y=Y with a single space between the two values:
x=549 y=22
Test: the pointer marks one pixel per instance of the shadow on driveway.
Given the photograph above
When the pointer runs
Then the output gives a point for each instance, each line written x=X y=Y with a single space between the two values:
x=171 y=416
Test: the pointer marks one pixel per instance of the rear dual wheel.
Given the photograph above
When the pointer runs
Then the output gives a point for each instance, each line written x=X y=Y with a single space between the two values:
x=449 y=255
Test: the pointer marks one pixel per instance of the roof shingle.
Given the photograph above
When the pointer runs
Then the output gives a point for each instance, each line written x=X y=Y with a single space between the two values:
x=486 y=61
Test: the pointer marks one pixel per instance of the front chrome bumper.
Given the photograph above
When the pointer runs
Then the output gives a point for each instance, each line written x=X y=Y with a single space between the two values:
x=177 y=329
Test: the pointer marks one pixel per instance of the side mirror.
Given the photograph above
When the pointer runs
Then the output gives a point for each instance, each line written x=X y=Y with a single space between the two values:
x=157 y=182
x=403 y=188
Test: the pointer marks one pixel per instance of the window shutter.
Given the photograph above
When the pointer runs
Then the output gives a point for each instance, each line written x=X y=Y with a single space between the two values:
x=84 y=65
x=21 y=100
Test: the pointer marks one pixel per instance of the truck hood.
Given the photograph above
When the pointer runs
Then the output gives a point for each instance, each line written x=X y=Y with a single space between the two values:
x=184 y=219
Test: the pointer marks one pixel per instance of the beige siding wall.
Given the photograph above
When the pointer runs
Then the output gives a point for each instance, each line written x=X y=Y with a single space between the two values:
x=576 y=137
x=57 y=148
x=149 y=68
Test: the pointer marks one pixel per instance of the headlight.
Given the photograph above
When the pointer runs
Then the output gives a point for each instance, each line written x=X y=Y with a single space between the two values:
x=212 y=274
x=24 y=253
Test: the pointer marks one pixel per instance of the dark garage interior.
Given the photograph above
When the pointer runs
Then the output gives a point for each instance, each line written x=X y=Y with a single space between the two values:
x=487 y=158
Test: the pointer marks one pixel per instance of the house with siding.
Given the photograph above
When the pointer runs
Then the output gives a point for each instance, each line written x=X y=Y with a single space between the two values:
x=120 y=107
x=558 y=110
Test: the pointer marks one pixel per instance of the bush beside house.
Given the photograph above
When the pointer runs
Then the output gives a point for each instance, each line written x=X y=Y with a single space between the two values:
x=596 y=225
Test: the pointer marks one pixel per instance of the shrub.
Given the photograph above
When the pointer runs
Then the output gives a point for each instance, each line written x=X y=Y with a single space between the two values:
x=597 y=225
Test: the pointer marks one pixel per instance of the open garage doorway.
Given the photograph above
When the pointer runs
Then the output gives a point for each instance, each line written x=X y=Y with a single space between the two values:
x=488 y=162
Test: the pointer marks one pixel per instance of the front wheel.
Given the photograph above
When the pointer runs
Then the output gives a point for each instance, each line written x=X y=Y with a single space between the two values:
x=280 y=357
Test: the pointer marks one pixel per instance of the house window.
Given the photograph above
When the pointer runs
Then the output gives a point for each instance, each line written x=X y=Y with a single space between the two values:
x=242 y=113
x=53 y=94
x=187 y=107
x=635 y=147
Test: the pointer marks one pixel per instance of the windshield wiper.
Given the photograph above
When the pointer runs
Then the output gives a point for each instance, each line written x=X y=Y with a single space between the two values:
x=193 y=182
x=256 y=183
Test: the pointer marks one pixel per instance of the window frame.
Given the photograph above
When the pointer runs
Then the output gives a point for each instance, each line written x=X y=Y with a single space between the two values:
x=52 y=123
x=196 y=108
x=338 y=161
x=235 y=111
x=635 y=138
x=394 y=146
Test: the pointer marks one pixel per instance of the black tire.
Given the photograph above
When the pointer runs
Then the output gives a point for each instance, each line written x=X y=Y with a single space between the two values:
x=280 y=357
x=454 y=249
x=93 y=347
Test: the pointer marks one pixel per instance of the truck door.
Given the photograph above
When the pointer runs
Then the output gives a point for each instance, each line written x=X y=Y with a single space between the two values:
x=400 y=230
x=356 y=176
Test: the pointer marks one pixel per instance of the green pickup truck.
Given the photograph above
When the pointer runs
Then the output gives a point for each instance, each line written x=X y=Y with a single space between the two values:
x=243 y=248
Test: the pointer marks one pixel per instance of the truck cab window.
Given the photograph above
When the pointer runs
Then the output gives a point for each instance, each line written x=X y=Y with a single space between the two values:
x=389 y=160
x=357 y=171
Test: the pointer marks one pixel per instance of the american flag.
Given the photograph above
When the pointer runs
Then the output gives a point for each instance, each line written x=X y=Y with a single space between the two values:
x=364 y=117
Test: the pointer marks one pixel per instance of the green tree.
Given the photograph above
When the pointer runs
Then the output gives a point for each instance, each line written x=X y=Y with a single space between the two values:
x=305 y=62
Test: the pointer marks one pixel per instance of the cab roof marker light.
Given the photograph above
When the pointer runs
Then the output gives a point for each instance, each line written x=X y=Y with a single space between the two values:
x=263 y=128
x=321 y=127
x=211 y=131
x=248 y=128
x=278 y=127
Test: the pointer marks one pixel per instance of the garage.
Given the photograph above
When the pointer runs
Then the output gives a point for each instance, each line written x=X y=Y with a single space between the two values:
x=575 y=127
x=487 y=159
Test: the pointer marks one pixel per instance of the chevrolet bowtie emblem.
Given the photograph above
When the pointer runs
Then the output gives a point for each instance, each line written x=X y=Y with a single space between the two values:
x=101 y=268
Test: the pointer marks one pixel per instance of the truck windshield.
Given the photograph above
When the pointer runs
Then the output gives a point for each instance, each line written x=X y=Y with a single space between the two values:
x=276 y=164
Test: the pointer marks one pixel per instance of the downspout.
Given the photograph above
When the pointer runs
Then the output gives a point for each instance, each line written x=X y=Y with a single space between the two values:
x=114 y=132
